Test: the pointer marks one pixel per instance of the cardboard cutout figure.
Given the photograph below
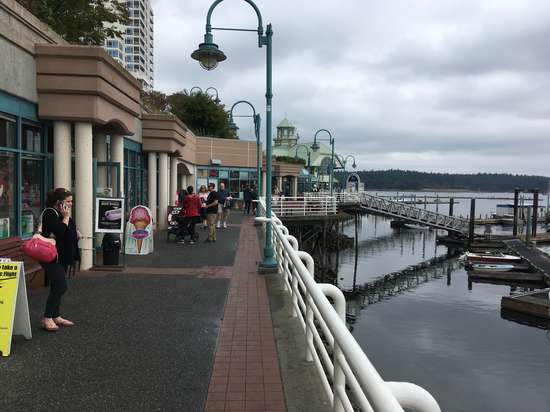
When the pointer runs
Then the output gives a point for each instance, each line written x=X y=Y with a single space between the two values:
x=139 y=231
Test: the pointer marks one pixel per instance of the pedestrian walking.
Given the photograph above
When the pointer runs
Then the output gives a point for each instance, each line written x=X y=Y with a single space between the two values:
x=247 y=195
x=211 y=212
x=254 y=195
x=203 y=195
x=56 y=223
x=224 y=206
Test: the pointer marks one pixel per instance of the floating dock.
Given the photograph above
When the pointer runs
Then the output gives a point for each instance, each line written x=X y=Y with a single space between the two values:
x=532 y=303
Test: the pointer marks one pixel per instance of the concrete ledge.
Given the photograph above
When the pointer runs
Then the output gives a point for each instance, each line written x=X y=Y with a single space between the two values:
x=301 y=382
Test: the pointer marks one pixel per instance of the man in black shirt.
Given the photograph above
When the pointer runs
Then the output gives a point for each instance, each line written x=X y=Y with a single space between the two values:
x=247 y=194
x=211 y=212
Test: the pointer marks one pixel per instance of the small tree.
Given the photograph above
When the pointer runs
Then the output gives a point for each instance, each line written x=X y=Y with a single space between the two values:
x=154 y=101
x=201 y=114
x=87 y=22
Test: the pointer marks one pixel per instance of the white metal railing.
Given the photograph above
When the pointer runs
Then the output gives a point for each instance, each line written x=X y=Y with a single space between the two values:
x=304 y=206
x=339 y=359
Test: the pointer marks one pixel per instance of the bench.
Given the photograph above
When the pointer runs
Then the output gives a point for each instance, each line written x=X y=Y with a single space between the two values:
x=34 y=274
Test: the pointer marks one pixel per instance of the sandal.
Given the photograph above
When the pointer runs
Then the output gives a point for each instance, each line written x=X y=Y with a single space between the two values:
x=63 y=322
x=49 y=326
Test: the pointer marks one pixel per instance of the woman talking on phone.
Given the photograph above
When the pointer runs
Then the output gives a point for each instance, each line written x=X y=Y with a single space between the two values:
x=57 y=223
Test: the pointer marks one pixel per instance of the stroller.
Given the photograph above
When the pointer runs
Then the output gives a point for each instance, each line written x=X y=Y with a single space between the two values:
x=176 y=227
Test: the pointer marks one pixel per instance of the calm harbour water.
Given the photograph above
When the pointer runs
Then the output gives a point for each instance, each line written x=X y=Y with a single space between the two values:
x=450 y=340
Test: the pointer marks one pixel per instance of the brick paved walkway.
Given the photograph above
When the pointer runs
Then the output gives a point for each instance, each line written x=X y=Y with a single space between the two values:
x=246 y=375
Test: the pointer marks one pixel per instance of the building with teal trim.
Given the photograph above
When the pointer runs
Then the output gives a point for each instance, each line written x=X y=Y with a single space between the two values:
x=288 y=144
x=71 y=117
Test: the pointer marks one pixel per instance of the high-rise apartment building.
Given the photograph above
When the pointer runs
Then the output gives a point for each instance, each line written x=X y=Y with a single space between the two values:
x=135 y=50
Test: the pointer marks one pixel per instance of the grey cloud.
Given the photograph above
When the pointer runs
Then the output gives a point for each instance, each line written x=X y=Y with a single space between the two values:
x=425 y=84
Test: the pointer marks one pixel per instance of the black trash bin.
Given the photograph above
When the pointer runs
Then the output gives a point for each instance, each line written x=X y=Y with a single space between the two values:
x=111 y=249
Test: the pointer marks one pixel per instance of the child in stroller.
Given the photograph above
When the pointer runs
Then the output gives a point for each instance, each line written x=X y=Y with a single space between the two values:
x=179 y=227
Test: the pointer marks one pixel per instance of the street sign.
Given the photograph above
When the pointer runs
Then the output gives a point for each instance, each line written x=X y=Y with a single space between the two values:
x=14 y=307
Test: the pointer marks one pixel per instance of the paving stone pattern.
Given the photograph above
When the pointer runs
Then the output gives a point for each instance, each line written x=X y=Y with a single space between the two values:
x=246 y=375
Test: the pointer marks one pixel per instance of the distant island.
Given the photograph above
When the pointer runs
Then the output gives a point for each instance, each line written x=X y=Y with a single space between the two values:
x=413 y=180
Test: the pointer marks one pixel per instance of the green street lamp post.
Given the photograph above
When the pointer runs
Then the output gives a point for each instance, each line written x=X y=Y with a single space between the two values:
x=216 y=100
x=308 y=161
x=315 y=146
x=344 y=161
x=209 y=55
x=257 y=124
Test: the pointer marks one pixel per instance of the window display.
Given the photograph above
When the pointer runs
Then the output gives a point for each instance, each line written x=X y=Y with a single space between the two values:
x=31 y=138
x=31 y=196
x=7 y=195
x=8 y=132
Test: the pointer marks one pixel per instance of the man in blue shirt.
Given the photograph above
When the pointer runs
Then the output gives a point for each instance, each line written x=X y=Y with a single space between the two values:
x=224 y=204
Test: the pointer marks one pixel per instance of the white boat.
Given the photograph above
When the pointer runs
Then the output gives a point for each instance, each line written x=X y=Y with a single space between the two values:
x=491 y=257
x=493 y=267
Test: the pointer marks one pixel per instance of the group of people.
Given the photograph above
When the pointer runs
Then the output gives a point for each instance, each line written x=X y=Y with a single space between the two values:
x=209 y=206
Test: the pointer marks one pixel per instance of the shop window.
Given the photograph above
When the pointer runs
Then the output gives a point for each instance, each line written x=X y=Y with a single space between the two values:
x=224 y=174
x=234 y=188
x=202 y=173
x=7 y=195
x=213 y=173
x=234 y=174
x=244 y=175
x=31 y=138
x=31 y=193
x=225 y=182
x=8 y=133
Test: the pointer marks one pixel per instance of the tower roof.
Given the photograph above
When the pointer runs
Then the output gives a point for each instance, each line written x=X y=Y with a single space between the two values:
x=285 y=123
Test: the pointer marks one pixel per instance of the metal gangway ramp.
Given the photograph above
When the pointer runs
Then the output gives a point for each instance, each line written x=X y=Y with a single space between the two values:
x=532 y=255
x=400 y=210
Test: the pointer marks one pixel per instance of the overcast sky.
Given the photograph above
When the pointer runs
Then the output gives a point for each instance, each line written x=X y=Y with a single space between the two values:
x=433 y=85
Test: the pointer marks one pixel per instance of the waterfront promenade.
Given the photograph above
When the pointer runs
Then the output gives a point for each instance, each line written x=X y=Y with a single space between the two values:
x=188 y=328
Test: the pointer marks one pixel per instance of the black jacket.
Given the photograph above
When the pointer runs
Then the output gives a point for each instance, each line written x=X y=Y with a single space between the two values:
x=66 y=238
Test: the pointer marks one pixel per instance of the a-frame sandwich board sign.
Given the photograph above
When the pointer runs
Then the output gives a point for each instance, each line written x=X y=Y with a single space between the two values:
x=14 y=307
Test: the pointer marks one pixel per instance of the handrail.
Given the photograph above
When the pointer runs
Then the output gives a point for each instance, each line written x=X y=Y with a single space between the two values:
x=342 y=362
x=397 y=209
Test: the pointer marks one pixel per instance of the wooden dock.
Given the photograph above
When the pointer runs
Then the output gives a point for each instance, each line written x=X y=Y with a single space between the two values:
x=535 y=257
x=507 y=276
x=532 y=303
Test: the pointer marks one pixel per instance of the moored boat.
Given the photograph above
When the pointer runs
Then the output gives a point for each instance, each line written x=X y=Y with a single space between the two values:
x=493 y=257
x=493 y=267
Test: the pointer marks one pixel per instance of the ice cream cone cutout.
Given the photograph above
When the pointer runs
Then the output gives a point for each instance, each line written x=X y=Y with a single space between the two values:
x=140 y=218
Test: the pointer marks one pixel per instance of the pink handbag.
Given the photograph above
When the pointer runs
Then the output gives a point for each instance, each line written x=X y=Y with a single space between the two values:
x=40 y=248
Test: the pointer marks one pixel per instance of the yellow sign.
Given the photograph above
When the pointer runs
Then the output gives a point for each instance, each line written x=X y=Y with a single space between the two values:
x=14 y=308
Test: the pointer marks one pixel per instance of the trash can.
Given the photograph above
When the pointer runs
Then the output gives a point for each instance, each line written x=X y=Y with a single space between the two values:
x=111 y=249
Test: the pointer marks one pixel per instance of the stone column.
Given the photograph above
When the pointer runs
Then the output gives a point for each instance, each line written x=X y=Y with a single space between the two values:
x=264 y=183
x=100 y=153
x=295 y=186
x=173 y=180
x=163 y=191
x=183 y=181
x=84 y=191
x=152 y=184
x=117 y=155
x=62 y=155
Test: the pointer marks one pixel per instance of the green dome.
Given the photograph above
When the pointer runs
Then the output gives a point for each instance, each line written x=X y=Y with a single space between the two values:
x=285 y=123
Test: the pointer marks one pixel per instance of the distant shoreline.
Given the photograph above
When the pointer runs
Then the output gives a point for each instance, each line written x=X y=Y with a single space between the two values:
x=436 y=190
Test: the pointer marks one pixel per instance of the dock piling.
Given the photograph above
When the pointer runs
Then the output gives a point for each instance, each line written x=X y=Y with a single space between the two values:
x=472 y=221
x=516 y=201
x=535 y=211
